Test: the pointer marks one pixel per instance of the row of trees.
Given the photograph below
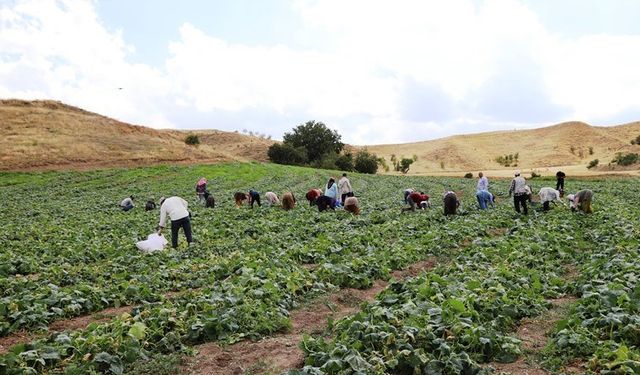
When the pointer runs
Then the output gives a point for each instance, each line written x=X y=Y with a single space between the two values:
x=314 y=144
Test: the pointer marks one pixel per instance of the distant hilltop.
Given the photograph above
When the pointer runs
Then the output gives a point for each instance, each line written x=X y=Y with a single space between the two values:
x=45 y=134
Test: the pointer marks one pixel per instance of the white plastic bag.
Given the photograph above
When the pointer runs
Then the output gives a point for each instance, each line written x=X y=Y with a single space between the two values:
x=154 y=242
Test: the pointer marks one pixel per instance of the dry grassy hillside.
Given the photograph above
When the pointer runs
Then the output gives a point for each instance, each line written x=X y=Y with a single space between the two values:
x=544 y=150
x=50 y=135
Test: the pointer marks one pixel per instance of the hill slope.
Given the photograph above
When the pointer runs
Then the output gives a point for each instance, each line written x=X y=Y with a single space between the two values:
x=563 y=145
x=49 y=135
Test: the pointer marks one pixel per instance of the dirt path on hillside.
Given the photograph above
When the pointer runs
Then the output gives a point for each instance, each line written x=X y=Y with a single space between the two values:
x=279 y=353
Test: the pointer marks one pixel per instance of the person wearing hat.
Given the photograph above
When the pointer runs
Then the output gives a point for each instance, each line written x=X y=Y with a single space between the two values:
x=520 y=193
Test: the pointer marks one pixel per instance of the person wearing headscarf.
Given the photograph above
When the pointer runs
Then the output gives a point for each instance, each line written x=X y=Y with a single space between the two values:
x=312 y=195
x=351 y=205
x=451 y=203
x=344 y=188
x=547 y=196
x=288 y=201
x=271 y=198
x=581 y=201
x=201 y=189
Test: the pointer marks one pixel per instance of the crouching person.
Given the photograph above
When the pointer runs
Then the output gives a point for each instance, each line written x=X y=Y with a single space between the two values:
x=547 y=196
x=323 y=202
x=175 y=208
x=485 y=199
x=127 y=203
x=271 y=198
x=312 y=195
x=351 y=205
x=288 y=201
x=240 y=197
x=150 y=205
x=581 y=201
x=451 y=203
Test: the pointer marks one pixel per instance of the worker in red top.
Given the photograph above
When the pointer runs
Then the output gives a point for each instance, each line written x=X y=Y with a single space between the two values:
x=419 y=199
x=312 y=195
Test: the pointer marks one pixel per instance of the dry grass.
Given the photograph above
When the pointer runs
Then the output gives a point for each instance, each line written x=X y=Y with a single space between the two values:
x=544 y=150
x=52 y=135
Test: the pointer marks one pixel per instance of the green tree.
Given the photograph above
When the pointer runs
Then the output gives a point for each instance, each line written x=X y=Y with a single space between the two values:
x=287 y=154
x=345 y=162
x=316 y=139
x=405 y=164
x=192 y=140
x=366 y=162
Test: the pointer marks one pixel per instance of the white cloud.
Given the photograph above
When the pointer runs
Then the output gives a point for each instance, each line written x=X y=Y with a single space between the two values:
x=475 y=65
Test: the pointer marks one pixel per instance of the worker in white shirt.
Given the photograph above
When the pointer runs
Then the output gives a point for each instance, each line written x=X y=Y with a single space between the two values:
x=548 y=195
x=176 y=209
x=344 y=188
x=520 y=192
x=483 y=182
x=127 y=203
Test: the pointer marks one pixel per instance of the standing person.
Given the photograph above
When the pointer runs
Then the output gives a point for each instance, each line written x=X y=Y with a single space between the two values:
x=451 y=203
x=548 y=195
x=271 y=198
x=484 y=199
x=519 y=191
x=312 y=195
x=175 y=208
x=581 y=201
x=127 y=203
x=288 y=201
x=344 y=188
x=351 y=205
x=254 y=197
x=483 y=182
x=406 y=194
x=560 y=182
x=201 y=189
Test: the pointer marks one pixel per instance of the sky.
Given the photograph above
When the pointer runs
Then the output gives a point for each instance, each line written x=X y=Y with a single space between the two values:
x=375 y=71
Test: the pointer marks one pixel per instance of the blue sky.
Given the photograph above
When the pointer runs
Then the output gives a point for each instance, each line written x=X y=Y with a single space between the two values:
x=376 y=71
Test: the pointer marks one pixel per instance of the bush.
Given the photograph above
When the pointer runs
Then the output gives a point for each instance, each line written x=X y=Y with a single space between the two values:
x=625 y=159
x=510 y=160
x=192 y=140
x=366 y=162
x=344 y=162
x=593 y=163
x=636 y=141
x=403 y=164
x=287 y=154
x=316 y=138
x=468 y=175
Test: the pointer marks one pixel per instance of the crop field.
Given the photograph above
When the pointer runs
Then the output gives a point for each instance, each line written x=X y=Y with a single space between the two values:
x=555 y=291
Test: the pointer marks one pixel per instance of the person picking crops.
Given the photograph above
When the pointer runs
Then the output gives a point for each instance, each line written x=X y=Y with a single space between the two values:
x=288 y=201
x=406 y=193
x=201 y=188
x=344 y=187
x=254 y=197
x=176 y=209
x=323 y=202
x=312 y=195
x=127 y=203
x=547 y=196
x=520 y=192
x=483 y=182
x=271 y=198
x=351 y=205
x=150 y=205
x=581 y=201
x=485 y=199
x=451 y=203
x=417 y=199
x=240 y=197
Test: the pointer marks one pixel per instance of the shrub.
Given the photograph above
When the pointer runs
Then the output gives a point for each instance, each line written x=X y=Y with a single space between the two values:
x=625 y=159
x=366 y=162
x=593 y=163
x=636 y=141
x=345 y=162
x=468 y=175
x=590 y=150
x=192 y=140
x=287 y=154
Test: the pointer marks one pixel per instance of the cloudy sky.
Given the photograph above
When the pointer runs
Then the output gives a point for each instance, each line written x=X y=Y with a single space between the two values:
x=377 y=71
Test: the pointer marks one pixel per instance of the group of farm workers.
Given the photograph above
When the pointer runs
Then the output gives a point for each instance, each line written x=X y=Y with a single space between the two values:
x=340 y=194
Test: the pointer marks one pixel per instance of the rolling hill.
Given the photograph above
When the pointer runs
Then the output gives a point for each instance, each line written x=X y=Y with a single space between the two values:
x=43 y=134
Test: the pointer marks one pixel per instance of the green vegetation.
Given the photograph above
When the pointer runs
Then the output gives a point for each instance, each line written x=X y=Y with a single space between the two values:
x=403 y=164
x=66 y=250
x=593 y=163
x=192 y=140
x=625 y=159
x=510 y=160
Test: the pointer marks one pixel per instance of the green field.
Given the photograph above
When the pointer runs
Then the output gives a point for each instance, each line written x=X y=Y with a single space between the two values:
x=67 y=250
